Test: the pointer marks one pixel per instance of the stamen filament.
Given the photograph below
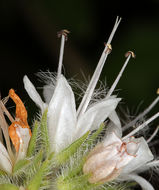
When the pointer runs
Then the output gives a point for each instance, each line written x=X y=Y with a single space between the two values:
x=142 y=126
x=148 y=109
x=63 y=35
x=61 y=56
x=153 y=164
x=153 y=135
x=118 y=77
x=90 y=89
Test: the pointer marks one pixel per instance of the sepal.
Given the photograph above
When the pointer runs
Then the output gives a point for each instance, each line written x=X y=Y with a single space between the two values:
x=33 y=141
x=8 y=187
x=64 y=155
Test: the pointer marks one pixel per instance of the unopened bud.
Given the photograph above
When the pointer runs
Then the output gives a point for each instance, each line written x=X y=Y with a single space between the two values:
x=106 y=160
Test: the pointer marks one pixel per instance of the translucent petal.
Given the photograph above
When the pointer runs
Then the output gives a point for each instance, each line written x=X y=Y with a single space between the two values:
x=114 y=125
x=34 y=95
x=61 y=115
x=132 y=148
x=95 y=115
x=5 y=162
x=111 y=139
x=127 y=154
x=24 y=136
x=48 y=92
x=141 y=181
x=124 y=160
x=143 y=156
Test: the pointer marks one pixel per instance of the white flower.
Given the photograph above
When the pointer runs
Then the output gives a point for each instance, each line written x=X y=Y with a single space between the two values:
x=117 y=157
x=65 y=124
x=121 y=158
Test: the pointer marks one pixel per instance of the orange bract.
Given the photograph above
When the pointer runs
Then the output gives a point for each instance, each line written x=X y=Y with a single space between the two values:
x=21 y=119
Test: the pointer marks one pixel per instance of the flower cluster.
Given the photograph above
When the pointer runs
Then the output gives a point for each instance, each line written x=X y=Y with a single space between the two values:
x=63 y=150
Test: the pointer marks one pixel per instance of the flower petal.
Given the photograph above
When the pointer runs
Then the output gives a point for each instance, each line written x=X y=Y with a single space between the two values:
x=5 y=162
x=24 y=136
x=95 y=115
x=61 y=115
x=34 y=95
x=140 y=180
x=143 y=156
x=111 y=139
x=114 y=125
x=48 y=91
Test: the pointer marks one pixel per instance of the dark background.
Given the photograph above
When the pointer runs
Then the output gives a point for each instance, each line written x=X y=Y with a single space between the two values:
x=28 y=44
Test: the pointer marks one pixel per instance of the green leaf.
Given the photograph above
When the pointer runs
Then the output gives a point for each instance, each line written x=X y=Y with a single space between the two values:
x=76 y=183
x=8 y=187
x=44 y=132
x=33 y=140
x=2 y=173
x=76 y=169
x=20 y=165
x=95 y=135
x=65 y=154
x=35 y=164
x=36 y=181
x=37 y=161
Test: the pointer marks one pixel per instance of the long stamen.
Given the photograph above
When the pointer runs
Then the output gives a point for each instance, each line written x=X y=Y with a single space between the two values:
x=129 y=55
x=153 y=135
x=153 y=164
x=142 y=126
x=63 y=35
x=90 y=89
x=148 y=109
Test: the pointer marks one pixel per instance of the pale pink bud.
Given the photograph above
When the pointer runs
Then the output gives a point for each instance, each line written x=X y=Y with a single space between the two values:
x=106 y=160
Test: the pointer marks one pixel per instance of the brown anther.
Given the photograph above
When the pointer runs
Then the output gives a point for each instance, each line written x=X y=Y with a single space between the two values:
x=109 y=48
x=130 y=53
x=158 y=91
x=64 y=33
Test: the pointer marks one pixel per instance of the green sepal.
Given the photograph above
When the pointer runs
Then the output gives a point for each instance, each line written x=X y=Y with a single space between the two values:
x=33 y=140
x=36 y=181
x=20 y=165
x=76 y=183
x=8 y=187
x=65 y=154
x=44 y=132
x=94 y=136
x=2 y=173
x=37 y=160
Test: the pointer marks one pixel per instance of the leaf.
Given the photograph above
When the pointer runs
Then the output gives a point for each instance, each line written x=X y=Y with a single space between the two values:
x=93 y=137
x=64 y=155
x=8 y=187
x=44 y=132
x=20 y=165
x=33 y=140
x=36 y=181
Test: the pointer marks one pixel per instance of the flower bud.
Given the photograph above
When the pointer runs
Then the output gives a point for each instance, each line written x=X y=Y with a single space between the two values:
x=105 y=162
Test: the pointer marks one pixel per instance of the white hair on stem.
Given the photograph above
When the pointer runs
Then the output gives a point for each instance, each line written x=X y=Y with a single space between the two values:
x=90 y=89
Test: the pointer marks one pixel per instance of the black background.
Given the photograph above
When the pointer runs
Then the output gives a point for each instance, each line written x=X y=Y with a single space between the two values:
x=28 y=44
